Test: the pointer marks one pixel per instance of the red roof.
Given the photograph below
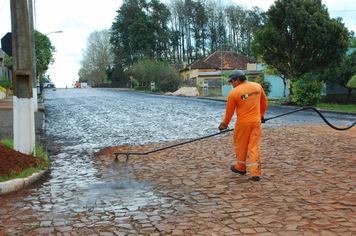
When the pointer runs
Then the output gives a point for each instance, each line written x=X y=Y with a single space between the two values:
x=200 y=65
x=231 y=60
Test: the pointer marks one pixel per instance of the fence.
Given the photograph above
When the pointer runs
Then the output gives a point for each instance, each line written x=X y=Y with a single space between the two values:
x=6 y=73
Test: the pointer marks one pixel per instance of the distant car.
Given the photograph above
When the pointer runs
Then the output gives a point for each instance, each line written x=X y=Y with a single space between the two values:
x=49 y=84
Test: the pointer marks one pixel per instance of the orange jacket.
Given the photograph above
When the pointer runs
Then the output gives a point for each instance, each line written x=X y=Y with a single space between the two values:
x=250 y=102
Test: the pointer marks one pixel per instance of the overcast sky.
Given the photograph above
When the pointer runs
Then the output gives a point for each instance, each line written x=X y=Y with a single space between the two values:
x=78 y=18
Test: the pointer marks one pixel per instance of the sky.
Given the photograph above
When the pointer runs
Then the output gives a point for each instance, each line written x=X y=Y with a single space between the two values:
x=78 y=18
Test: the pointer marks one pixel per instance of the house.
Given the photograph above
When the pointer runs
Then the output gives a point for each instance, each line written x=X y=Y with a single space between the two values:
x=196 y=72
x=337 y=93
x=208 y=71
x=330 y=94
x=230 y=61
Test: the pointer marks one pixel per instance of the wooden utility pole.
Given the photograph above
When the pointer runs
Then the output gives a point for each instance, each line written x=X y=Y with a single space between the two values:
x=24 y=121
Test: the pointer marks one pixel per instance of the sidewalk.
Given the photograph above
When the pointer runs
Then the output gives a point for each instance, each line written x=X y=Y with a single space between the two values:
x=8 y=103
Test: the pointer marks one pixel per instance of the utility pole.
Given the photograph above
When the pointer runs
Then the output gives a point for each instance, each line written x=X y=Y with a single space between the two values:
x=33 y=56
x=24 y=121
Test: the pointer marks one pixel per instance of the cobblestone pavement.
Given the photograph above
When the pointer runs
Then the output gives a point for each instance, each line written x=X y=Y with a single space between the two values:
x=307 y=187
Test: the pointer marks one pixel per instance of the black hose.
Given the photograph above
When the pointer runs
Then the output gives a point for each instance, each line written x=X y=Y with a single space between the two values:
x=317 y=111
x=228 y=130
x=175 y=145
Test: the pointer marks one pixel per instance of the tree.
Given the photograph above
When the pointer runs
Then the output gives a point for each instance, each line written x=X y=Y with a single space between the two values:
x=43 y=50
x=198 y=28
x=159 y=17
x=352 y=83
x=340 y=74
x=144 y=72
x=96 y=57
x=140 y=31
x=352 y=40
x=7 y=61
x=300 y=37
x=44 y=55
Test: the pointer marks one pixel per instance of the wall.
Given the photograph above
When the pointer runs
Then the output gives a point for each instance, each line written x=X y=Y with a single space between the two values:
x=2 y=94
x=277 y=86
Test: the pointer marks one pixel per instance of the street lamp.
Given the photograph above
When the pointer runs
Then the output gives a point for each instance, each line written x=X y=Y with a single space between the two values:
x=55 y=32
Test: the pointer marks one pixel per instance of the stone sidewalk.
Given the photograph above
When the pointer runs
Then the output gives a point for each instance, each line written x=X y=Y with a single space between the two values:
x=308 y=188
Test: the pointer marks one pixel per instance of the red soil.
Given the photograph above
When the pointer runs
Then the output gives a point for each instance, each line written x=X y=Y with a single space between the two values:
x=13 y=162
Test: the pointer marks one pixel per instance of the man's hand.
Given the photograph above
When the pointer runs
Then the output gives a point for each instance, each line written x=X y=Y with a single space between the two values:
x=222 y=126
x=263 y=119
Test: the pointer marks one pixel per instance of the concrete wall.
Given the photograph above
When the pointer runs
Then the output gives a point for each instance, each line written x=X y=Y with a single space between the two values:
x=2 y=94
x=277 y=86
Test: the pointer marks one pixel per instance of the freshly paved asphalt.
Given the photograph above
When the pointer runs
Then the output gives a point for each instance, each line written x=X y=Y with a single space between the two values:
x=308 y=184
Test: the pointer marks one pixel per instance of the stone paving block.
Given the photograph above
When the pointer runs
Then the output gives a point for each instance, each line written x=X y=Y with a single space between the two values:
x=165 y=227
x=247 y=230
x=44 y=231
x=327 y=233
x=46 y=223
x=63 y=228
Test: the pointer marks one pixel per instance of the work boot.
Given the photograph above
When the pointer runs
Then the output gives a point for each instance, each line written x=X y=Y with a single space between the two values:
x=255 y=178
x=233 y=169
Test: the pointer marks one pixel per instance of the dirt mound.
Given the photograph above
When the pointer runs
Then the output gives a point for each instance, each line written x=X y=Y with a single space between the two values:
x=186 y=91
x=13 y=162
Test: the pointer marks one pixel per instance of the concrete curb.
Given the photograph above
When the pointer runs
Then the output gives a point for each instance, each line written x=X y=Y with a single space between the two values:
x=18 y=184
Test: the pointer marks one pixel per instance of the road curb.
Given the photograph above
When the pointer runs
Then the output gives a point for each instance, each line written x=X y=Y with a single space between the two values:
x=18 y=184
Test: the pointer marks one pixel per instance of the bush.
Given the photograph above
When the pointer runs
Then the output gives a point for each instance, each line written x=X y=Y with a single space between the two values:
x=168 y=80
x=144 y=72
x=5 y=83
x=352 y=83
x=307 y=91
x=266 y=85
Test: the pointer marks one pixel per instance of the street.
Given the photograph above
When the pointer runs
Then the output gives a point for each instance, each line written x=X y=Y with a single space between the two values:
x=87 y=194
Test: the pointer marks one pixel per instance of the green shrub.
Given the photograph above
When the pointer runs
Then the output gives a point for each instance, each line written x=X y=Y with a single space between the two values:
x=266 y=85
x=166 y=78
x=5 y=83
x=307 y=91
x=352 y=83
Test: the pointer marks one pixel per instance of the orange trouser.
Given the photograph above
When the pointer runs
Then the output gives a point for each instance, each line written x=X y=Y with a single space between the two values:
x=247 y=137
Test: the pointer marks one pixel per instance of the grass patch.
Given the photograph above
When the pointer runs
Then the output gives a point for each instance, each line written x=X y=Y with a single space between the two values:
x=337 y=107
x=40 y=154
x=8 y=142
x=349 y=108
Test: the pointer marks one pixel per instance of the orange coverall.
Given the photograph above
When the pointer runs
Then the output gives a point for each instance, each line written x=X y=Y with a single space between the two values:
x=250 y=103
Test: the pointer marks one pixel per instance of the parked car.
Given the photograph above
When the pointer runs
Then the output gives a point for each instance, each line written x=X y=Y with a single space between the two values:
x=49 y=84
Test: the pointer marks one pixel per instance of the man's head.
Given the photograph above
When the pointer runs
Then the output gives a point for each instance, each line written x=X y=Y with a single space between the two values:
x=237 y=74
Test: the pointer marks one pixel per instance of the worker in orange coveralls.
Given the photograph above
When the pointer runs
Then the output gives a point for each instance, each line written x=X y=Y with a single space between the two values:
x=250 y=102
